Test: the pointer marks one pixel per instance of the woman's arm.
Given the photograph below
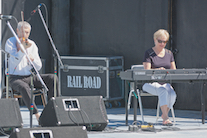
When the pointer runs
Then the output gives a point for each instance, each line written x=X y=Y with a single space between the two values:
x=173 y=66
x=147 y=65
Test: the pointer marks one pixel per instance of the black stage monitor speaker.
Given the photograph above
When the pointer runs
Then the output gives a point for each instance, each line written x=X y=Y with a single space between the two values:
x=50 y=132
x=86 y=111
x=10 y=115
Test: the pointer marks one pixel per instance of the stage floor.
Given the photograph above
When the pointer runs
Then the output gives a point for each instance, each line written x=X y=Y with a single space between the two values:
x=188 y=124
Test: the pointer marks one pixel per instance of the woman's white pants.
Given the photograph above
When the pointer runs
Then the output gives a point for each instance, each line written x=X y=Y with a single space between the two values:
x=165 y=93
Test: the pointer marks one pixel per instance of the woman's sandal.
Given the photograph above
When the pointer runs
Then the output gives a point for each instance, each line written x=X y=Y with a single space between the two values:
x=167 y=123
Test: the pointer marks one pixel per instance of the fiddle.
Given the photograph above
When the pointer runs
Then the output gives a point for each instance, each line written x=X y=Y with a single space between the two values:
x=25 y=42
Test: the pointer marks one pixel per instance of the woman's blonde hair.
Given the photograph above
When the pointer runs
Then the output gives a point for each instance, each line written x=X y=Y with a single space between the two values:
x=161 y=32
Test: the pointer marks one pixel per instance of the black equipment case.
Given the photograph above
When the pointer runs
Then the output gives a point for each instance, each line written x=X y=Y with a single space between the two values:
x=91 y=76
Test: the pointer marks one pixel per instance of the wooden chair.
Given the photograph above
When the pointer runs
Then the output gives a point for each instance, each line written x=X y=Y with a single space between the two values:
x=15 y=94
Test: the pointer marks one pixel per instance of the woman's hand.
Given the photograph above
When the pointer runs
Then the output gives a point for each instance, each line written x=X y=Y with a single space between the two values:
x=161 y=68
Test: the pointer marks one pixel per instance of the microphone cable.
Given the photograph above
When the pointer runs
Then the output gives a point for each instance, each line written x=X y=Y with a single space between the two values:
x=76 y=122
x=75 y=119
x=3 y=132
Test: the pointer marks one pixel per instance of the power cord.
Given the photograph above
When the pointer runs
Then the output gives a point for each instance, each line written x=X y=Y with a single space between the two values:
x=3 y=131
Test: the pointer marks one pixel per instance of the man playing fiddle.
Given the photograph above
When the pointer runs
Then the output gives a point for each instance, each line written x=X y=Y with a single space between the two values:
x=19 y=67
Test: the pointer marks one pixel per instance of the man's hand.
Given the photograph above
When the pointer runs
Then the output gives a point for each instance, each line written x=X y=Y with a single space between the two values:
x=25 y=44
x=31 y=58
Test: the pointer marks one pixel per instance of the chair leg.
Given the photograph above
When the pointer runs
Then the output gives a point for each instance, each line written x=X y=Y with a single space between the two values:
x=158 y=111
x=173 y=115
x=140 y=105
x=43 y=100
x=45 y=96
x=129 y=101
x=12 y=93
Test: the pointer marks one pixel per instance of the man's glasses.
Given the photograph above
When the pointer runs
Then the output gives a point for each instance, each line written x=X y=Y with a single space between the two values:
x=160 y=41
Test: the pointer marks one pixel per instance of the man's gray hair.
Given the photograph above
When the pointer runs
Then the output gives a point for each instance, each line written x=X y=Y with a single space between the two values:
x=23 y=23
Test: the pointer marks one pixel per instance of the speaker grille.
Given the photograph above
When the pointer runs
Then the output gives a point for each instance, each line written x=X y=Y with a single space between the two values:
x=86 y=111
x=10 y=115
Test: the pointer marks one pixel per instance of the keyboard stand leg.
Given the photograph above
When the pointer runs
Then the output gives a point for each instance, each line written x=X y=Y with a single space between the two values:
x=203 y=103
x=126 y=102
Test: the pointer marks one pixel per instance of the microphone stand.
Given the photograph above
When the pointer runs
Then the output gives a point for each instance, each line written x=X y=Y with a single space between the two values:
x=55 y=50
x=32 y=74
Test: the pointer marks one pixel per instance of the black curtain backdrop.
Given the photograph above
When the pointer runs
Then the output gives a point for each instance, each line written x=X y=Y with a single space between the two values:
x=120 y=28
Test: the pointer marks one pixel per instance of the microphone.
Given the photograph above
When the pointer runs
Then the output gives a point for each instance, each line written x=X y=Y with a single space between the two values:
x=5 y=17
x=34 y=11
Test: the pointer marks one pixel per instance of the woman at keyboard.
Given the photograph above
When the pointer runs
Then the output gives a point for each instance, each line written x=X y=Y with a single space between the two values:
x=158 y=57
